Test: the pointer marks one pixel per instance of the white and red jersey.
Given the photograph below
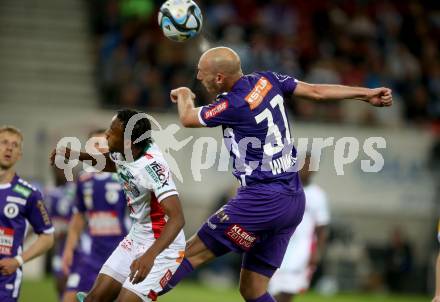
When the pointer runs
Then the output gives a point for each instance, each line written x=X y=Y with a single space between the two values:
x=146 y=182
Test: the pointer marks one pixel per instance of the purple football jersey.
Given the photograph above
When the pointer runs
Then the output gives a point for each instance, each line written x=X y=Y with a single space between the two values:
x=256 y=129
x=19 y=201
x=60 y=202
x=101 y=199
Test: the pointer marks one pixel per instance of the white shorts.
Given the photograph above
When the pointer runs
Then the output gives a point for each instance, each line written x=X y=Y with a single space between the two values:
x=118 y=264
x=289 y=282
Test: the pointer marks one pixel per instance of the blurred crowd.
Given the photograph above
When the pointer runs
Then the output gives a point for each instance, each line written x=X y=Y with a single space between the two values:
x=361 y=43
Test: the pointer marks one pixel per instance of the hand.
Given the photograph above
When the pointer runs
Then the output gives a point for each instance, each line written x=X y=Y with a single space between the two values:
x=8 y=266
x=66 y=261
x=140 y=268
x=65 y=152
x=380 y=97
x=181 y=92
x=436 y=299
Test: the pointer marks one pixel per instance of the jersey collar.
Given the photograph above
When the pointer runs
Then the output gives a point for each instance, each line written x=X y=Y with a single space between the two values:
x=8 y=185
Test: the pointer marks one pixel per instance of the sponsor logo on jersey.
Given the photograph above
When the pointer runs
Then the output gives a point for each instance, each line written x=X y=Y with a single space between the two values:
x=241 y=237
x=103 y=223
x=6 y=241
x=158 y=173
x=129 y=186
x=221 y=215
x=25 y=192
x=165 y=278
x=260 y=90
x=216 y=110
x=43 y=212
x=127 y=244
x=211 y=225
x=16 y=200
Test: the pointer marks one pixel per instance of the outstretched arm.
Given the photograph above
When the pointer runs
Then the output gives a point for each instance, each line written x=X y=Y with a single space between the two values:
x=84 y=156
x=188 y=114
x=379 y=97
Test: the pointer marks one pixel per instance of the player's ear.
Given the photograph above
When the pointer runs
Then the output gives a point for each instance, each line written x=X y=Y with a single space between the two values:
x=219 y=78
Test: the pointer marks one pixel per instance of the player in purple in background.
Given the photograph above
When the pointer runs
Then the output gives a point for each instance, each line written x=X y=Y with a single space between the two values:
x=59 y=200
x=259 y=221
x=101 y=207
x=19 y=202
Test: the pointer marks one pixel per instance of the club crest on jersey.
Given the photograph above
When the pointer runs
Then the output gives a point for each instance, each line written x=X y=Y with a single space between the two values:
x=241 y=237
x=158 y=173
x=260 y=90
x=216 y=110
x=11 y=210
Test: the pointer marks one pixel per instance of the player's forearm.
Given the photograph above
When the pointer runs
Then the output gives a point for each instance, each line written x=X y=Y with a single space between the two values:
x=172 y=228
x=324 y=92
x=76 y=226
x=185 y=106
x=43 y=243
x=109 y=165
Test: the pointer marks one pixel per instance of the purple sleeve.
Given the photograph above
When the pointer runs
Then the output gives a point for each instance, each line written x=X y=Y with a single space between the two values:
x=79 y=198
x=286 y=83
x=218 y=113
x=37 y=214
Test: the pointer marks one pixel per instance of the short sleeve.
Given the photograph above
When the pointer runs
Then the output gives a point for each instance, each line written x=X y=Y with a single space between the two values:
x=286 y=83
x=218 y=113
x=37 y=214
x=160 y=180
x=321 y=211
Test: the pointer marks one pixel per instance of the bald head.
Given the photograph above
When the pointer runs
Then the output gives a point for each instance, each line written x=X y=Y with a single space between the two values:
x=222 y=60
x=219 y=68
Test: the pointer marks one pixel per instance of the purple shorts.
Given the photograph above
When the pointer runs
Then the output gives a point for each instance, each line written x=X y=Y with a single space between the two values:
x=83 y=274
x=10 y=286
x=256 y=222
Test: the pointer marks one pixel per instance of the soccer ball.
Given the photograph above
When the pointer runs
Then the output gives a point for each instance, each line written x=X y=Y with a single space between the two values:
x=180 y=19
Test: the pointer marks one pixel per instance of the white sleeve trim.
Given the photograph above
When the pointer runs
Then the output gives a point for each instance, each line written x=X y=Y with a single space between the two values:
x=200 y=117
x=49 y=231
x=166 y=194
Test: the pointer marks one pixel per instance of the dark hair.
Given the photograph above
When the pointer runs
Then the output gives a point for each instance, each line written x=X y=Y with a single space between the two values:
x=96 y=132
x=141 y=127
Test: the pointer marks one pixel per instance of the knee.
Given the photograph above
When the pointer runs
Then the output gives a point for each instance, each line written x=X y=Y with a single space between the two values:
x=248 y=291
x=251 y=289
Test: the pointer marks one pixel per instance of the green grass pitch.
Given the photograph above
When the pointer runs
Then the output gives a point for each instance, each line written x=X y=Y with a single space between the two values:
x=43 y=291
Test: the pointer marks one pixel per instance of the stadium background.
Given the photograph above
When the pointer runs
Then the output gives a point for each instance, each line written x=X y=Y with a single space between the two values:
x=65 y=65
